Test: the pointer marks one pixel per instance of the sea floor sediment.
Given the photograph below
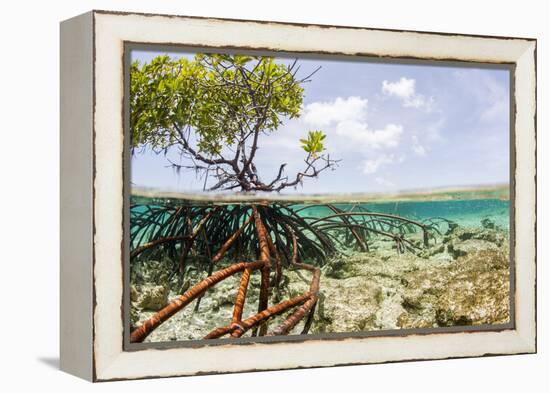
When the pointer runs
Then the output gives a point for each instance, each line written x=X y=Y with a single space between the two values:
x=461 y=279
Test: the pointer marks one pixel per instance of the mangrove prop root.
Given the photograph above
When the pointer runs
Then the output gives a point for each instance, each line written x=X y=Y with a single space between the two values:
x=277 y=309
x=420 y=225
x=295 y=239
x=294 y=318
x=396 y=238
x=186 y=245
x=346 y=220
x=294 y=245
x=219 y=255
x=306 y=301
x=290 y=322
x=188 y=242
x=238 y=326
x=221 y=252
x=155 y=243
x=140 y=333
x=278 y=266
x=266 y=269
x=237 y=329
x=241 y=296
x=309 y=319
x=222 y=331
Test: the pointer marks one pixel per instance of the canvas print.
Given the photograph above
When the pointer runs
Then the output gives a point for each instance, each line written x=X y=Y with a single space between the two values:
x=311 y=196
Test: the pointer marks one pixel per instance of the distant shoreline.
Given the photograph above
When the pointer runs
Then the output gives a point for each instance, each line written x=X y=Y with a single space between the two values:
x=501 y=191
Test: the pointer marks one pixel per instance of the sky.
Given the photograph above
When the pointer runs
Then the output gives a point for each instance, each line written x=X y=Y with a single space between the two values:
x=394 y=127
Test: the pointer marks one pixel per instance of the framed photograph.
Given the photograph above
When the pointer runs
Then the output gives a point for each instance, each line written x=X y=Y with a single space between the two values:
x=248 y=195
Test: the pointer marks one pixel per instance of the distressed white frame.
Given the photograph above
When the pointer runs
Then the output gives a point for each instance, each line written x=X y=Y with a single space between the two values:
x=102 y=293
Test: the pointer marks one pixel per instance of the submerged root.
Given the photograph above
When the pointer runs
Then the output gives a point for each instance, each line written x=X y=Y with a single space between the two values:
x=277 y=233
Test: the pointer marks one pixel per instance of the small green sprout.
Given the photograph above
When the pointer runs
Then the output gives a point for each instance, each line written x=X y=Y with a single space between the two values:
x=314 y=143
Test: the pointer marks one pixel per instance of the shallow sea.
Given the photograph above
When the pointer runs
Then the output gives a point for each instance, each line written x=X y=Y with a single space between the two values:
x=467 y=209
x=464 y=212
x=379 y=274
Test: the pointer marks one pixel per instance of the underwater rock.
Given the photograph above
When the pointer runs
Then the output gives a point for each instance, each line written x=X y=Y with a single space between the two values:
x=452 y=227
x=464 y=241
x=150 y=272
x=347 y=305
x=461 y=279
x=149 y=297
x=340 y=268
x=390 y=308
x=478 y=299
x=470 y=246
x=368 y=300
x=462 y=234
x=495 y=237
x=438 y=251
x=487 y=223
x=135 y=316
x=472 y=291
x=386 y=291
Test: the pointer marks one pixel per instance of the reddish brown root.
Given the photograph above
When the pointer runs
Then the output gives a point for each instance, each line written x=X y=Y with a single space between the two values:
x=258 y=322
x=140 y=333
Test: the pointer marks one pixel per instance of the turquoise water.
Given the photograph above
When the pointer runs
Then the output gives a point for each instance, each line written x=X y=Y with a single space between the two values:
x=464 y=212
x=468 y=213
x=365 y=260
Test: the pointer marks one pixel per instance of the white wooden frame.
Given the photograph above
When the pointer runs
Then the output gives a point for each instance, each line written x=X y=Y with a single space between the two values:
x=92 y=88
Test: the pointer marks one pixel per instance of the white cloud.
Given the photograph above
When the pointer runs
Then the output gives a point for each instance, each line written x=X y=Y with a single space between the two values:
x=347 y=119
x=322 y=114
x=417 y=147
x=349 y=137
x=371 y=166
x=358 y=133
x=405 y=90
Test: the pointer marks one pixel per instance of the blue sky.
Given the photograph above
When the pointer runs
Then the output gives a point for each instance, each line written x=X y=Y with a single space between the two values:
x=393 y=126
